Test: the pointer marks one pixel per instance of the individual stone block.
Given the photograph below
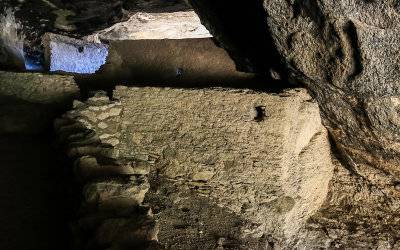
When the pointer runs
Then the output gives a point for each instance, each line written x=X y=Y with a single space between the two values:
x=87 y=167
x=141 y=25
x=73 y=55
x=124 y=233
x=122 y=193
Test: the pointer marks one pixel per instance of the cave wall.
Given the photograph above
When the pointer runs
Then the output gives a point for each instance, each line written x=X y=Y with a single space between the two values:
x=170 y=61
x=345 y=53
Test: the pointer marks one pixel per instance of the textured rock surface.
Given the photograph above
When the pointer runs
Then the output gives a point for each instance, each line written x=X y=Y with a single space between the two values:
x=345 y=52
x=232 y=146
x=73 y=55
x=264 y=158
x=79 y=18
x=142 y=25
x=355 y=215
x=30 y=101
x=110 y=213
x=37 y=88
x=11 y=41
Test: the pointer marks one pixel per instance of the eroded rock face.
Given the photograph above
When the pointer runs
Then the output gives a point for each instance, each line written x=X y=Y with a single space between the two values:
x=264 y=158
x=142 y=25
x=345 y=52
x=355 y=215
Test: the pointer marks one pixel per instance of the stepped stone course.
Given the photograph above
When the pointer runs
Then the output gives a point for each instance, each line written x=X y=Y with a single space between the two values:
x=112 y=213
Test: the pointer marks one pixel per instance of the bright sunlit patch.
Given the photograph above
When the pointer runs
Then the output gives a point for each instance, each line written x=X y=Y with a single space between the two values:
x=77 y=56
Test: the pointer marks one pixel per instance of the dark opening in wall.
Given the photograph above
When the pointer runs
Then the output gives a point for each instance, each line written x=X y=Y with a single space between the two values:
x=260 y=116
x=271 y=244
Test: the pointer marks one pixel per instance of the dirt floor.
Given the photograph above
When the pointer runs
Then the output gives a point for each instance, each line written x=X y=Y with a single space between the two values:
x=32 y=205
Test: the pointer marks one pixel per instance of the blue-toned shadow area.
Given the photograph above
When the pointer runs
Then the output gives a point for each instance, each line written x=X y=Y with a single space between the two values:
x=32 y=64
x=77 y=58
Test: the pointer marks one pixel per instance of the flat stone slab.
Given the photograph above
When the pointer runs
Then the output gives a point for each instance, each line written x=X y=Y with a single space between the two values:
x=143 y=25
x=38 y=88
x=73 y=55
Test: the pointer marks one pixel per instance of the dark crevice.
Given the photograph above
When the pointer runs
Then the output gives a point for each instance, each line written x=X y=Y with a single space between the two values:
x=343 y=158
x=351 y=31
x=243 y=32
x=289 y=40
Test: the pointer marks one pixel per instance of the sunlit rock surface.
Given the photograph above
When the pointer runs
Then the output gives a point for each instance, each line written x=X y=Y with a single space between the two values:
x=173 y=25
x=73 y=55
x=264 y=158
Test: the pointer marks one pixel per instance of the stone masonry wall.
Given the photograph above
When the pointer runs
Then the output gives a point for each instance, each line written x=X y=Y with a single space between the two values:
x=264 y=157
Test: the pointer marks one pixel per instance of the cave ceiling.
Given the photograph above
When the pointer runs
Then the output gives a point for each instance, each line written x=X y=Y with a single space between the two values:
x=78 y=18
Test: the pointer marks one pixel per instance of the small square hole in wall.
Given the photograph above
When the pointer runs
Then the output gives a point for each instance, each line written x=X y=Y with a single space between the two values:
x=260 y=113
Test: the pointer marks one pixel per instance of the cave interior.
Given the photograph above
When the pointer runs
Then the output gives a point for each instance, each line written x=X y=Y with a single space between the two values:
x=188 y=124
